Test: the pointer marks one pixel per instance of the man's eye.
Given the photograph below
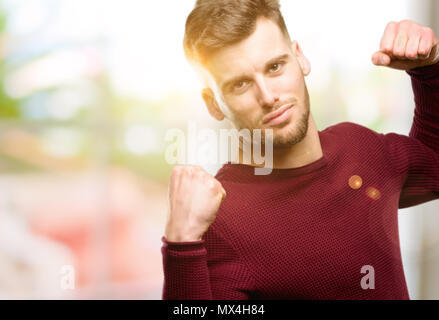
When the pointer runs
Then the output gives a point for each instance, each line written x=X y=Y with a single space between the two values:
x=275 y=67
x=239 y=85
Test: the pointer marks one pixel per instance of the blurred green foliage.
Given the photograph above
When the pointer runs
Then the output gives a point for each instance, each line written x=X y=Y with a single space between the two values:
x=9 y=108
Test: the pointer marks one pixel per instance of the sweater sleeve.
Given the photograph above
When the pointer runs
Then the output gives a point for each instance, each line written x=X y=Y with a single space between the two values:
x=416 y=157
x=416 y=165
x=208 y=269
x=425 y=127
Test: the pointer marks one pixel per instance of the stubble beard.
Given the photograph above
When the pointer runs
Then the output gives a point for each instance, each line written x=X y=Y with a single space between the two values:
x=294 y=134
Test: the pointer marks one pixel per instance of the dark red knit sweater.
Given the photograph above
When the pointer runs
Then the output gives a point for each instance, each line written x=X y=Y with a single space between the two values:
x=306 y=233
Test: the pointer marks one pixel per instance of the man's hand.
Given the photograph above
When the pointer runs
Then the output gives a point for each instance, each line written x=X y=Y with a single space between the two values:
x=194 y=199
x=407 y=45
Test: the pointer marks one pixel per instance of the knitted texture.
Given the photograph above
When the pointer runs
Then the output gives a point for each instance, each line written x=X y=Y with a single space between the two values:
x=306 y=233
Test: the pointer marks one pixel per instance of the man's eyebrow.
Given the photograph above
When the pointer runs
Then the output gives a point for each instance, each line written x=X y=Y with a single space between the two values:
x=242 y=77
x=285 y=56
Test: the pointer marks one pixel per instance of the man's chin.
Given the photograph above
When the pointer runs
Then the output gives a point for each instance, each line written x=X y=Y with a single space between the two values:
x=290 y=135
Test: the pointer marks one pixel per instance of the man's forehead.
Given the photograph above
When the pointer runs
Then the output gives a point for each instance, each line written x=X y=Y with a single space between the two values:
x=266 y=43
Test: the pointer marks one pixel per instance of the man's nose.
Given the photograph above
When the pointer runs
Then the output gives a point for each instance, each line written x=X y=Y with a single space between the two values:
x=268 y=98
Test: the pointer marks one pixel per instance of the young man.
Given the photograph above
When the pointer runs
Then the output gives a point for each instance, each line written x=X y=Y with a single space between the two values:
x=323 y=224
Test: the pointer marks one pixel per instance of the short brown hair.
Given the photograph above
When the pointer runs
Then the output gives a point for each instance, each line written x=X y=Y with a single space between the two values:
x=215 y=24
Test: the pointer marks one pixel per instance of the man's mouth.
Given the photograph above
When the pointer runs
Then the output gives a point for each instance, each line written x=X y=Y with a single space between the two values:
x=278 y=116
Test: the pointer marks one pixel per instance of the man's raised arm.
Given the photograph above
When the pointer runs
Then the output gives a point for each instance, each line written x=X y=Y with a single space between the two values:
x=414 y=48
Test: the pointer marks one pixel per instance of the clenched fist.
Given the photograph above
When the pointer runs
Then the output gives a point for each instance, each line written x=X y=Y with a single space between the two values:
x=407 y=45
x=194 y=199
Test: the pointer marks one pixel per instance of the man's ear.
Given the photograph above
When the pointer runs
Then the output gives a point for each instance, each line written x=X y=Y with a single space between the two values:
x=304 y=63
x=211 y=104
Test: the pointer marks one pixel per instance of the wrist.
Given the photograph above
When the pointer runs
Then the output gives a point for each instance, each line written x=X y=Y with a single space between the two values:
x=425 y=73
x=181 y=238
x=172 y=235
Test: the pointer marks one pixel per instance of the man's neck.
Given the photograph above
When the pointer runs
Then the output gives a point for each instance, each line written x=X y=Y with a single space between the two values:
x=301 y=154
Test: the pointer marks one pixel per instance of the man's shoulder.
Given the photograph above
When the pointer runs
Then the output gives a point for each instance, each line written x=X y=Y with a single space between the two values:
x=350 y=132
x=347 y=128
x=353 y=138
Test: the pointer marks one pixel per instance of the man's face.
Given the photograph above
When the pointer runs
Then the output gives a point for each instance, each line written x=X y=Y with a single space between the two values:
x=260 y=77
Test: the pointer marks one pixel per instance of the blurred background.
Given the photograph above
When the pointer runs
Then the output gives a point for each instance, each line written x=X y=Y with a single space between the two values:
x=88 y=89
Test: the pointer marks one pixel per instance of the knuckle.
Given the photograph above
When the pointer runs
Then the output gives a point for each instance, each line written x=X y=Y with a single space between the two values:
x=411 y=54
x=405 y=23
x=199 y=173
x=176 y=171
x=387 y=47
x=428 y=31
x=190 y=171
x=200 y=170
x=181 y=172
x=398 y=52
x=414 y=32
x=391 y=25
x=211 y=184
